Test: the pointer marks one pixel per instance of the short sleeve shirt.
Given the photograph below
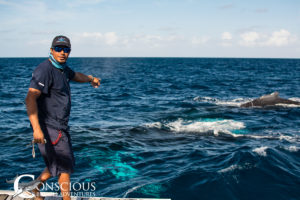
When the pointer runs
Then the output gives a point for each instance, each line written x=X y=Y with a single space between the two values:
x=54 y=103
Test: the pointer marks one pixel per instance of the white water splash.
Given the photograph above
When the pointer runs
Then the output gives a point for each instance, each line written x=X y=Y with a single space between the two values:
x=202 y=126
x=225 y=126
x=287 y=138
x=292 y=148
x=233 y=167
x=132 y=190
x=235 y=102
x=154 y=125
x=287 y=105
x=261 y=151
x=295 y=99
x=230 y=168
x=232 y=128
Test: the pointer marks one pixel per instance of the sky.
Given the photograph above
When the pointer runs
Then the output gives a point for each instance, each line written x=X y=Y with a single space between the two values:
x=152 y=28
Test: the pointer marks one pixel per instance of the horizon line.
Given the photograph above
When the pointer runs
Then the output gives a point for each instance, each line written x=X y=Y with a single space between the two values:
x=157 y=57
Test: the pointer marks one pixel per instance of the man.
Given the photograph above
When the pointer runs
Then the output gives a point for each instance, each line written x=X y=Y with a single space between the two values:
x=48 y=106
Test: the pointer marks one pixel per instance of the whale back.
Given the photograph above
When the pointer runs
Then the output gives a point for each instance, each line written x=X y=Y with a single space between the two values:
x=270 y=97
x=269 y=100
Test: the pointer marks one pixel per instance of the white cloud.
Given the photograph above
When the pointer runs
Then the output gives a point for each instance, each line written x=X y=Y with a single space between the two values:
x=226 y=39
x=128 y=41
x=280 y=38
x=226 y=36
x=226 y=44
x=114 y=41
x=150 y=38
x=249 y=38
x=173 y=38
x=111 y=38
x=154 y=40
x=42 y=42
x=94 y=35
x=200 y=40
x=277 y=39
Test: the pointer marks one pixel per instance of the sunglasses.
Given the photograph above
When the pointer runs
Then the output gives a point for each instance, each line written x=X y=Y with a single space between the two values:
x=65 y=49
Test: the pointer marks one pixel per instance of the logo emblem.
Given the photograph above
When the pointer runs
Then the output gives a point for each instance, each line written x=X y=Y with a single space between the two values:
x=24 y=190
x=61 y=39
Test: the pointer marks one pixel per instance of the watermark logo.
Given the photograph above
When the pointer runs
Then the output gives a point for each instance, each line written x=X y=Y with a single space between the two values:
x=83 y=189
x=24 y=191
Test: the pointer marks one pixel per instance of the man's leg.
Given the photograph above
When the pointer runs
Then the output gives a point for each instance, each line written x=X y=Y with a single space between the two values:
x=45 y=175
x=64 y=183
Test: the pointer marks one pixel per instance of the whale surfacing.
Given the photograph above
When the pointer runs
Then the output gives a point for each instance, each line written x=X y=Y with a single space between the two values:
x=269 y=100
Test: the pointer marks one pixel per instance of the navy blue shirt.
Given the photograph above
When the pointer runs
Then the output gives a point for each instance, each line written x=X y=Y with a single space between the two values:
x=54 y=103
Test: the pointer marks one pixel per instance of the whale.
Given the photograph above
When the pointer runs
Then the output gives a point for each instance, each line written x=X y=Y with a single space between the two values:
x=269 y=100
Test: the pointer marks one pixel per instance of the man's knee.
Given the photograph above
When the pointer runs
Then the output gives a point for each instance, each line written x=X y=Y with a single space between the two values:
x=45 y=175
x=64 y=181
x=64 y=175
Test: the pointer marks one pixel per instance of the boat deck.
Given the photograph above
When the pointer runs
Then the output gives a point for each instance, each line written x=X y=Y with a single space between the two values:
x=8 y=195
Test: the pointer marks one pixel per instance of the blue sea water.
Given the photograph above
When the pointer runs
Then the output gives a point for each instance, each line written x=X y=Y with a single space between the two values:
x=167 y=127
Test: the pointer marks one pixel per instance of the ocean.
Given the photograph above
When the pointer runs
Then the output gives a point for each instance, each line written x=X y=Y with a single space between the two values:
x=167 y=127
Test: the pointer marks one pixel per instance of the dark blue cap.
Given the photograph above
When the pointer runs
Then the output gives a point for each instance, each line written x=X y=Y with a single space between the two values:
x=61 y=41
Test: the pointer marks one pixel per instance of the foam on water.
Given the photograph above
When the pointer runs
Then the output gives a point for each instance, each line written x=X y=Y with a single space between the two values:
x=261 y=151
x=151 y=189
x=292 y=148
x=288 y=105
x=132 y=190
x=234 y=167
x=154 y=125
x=201 y=126
x=234 y=103
x=230 y=168
x=216 y=126
x=291 y=139
x=295 y=99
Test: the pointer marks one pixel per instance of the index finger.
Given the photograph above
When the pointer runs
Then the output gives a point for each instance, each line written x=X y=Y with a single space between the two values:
x=36 y=141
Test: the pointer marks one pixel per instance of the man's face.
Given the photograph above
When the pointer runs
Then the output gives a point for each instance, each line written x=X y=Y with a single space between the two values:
x=61 y=56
